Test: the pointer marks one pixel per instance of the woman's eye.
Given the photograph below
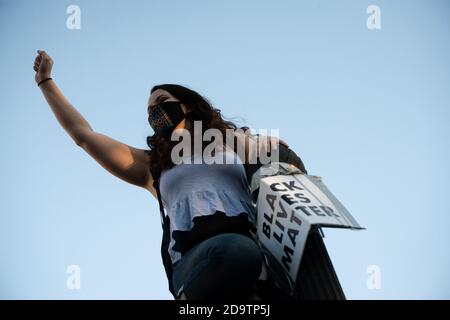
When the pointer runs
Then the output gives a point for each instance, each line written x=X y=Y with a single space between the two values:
x=161 y=100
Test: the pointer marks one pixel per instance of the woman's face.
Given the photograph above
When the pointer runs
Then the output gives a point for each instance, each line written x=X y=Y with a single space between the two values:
x=161 y=95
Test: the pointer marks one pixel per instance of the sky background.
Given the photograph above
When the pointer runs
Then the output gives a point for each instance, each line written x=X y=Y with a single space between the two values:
x=367 y=110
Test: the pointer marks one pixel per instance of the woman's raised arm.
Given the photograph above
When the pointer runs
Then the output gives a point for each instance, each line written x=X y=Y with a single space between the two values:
x=125 y=162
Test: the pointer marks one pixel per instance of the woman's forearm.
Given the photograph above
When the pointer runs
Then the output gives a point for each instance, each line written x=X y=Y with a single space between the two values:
x=69 y=118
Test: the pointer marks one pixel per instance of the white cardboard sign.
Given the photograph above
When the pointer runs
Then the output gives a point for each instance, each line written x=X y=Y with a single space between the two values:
x=287 y=207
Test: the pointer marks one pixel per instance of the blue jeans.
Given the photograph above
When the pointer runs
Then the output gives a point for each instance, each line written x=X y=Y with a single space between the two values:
x=225 y=266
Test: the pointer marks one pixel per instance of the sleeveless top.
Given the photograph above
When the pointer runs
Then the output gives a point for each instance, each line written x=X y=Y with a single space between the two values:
x=203 y=199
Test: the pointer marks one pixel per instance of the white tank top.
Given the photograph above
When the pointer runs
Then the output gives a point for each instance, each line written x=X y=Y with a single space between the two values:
x=203 y=200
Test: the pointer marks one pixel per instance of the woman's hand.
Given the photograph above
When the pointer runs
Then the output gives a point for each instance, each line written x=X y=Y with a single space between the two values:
x=43 y=66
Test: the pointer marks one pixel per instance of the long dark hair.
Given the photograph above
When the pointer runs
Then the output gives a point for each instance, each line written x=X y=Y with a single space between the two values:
x=201 y=110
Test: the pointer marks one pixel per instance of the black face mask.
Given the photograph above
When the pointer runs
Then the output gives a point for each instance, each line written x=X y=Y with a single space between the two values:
x=165 y=117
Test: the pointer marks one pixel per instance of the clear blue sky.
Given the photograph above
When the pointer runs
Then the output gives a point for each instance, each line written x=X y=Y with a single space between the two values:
x=368 y=110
